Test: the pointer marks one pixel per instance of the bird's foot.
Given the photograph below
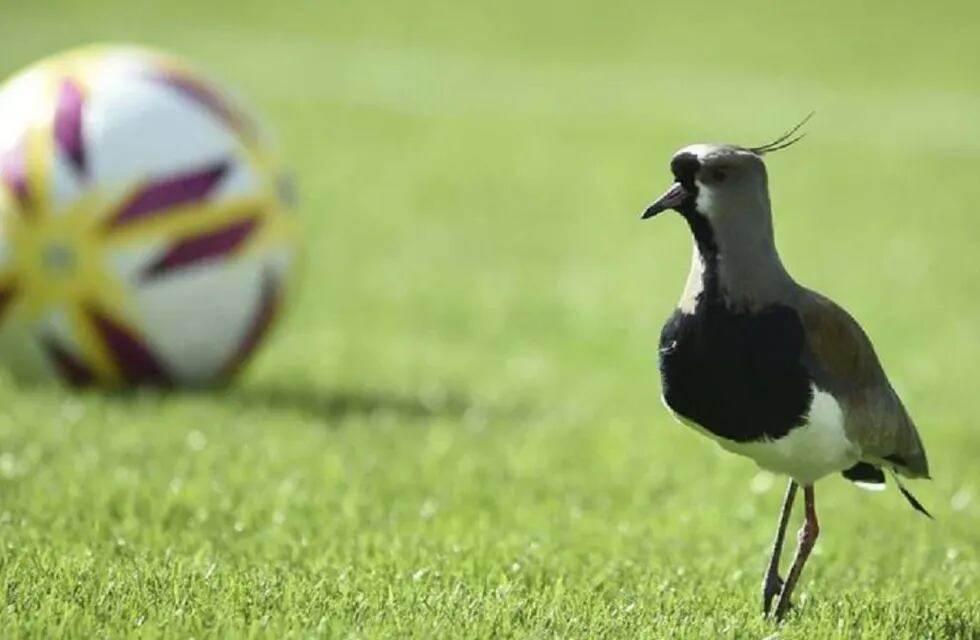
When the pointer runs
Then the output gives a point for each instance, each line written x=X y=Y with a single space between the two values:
x=771 y=587
x=783 y=606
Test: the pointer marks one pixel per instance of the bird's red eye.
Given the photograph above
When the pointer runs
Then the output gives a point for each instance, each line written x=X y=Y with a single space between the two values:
x=718 y=174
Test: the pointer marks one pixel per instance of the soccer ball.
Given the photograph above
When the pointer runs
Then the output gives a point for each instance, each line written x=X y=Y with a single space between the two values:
x=145 y=237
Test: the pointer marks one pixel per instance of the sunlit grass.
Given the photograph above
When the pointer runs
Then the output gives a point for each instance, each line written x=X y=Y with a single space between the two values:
x=458 y=431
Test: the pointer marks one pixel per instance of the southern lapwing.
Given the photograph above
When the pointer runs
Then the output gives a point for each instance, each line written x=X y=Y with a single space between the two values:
x=766 y=367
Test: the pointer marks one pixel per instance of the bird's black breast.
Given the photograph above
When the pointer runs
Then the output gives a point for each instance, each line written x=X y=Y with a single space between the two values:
x=737 y=374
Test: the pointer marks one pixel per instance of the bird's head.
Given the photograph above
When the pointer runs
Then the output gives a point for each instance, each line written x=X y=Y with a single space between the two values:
x=720 y=184
x=710 y=179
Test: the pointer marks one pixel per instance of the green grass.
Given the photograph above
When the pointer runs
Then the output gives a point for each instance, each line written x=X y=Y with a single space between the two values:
x=458 y=432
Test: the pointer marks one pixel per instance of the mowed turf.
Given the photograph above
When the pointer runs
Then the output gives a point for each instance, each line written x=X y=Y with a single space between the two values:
x=457 y=432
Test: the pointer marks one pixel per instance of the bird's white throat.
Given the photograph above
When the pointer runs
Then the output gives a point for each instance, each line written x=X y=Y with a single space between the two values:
x=705 y=202
x=695 y=283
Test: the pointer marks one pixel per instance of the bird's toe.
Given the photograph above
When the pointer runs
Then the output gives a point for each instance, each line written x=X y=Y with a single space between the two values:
x=771 y=588
x=783 y=607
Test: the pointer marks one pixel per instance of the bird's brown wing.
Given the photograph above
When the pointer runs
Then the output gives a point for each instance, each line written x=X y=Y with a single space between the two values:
x=842 y=361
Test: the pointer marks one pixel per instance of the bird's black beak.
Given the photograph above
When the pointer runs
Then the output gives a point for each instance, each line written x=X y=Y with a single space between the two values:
x=674 y=198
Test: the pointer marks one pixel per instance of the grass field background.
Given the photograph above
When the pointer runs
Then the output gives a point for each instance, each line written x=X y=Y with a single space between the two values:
x=457 y=432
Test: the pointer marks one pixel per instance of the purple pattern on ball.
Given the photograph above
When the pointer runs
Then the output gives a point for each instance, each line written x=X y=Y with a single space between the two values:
x=72 y=370
x=207 y=246
x=137 y=364
x=158 y=197
x=204 y=95
x=13 y=172
x=68 y=125
x=261 y=322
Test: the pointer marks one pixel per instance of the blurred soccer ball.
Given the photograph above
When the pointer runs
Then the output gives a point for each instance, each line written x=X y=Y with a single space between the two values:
x=144 y=237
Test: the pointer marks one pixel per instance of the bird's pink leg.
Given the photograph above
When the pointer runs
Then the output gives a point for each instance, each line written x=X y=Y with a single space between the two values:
x=807 y=537
x=772 y=584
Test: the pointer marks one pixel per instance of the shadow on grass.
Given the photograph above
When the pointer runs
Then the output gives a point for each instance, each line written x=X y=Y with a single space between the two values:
x=337 y=404
x=303 y=397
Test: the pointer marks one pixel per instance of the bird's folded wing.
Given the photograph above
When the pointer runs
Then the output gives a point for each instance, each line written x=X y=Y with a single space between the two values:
x=842 y=361
x=840 y=357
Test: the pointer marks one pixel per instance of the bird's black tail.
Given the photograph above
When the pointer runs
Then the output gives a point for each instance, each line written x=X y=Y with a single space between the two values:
x=867 y=475
x=912 y=501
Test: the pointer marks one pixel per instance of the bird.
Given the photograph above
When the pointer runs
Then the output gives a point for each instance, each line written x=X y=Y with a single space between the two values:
x=766 y=367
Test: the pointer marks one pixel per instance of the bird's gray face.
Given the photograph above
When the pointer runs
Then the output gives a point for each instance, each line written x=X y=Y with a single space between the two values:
x=706 y=176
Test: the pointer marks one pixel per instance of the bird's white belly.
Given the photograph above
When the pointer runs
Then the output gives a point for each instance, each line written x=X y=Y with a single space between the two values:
x=807 y=453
